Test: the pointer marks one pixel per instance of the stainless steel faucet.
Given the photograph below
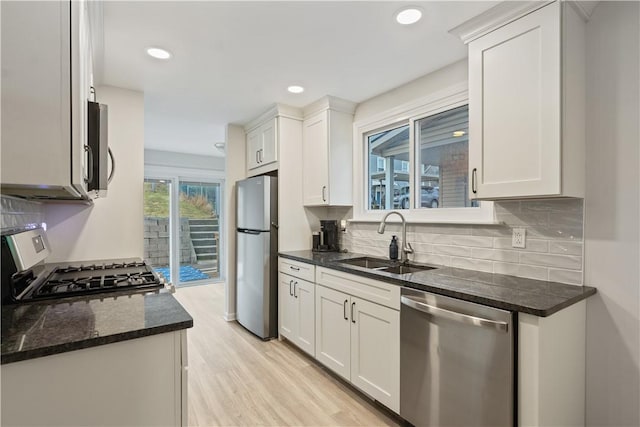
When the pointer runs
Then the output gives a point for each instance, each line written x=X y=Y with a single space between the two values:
x=406 y=246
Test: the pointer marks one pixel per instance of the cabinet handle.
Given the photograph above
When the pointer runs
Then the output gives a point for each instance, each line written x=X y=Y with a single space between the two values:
x=294 y=268
x=295 y=294
x=324 y=189
x=290 y=292
x=261 y=156
x=257 y=161
x=344 y=309
x=473 y=180
x=353 y=319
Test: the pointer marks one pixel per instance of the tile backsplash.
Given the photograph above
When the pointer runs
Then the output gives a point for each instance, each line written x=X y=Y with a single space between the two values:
x=554 y=241
x=19 y=213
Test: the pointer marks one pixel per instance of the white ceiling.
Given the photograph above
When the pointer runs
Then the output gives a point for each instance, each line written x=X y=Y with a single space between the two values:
x=232 y=60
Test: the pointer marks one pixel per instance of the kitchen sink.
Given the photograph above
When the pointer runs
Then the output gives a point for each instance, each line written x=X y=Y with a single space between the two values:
x=368 y=262
x=387 y=266
x=404 y=269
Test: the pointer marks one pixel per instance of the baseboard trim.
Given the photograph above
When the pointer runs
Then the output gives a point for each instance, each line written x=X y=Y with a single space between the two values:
x=229 y=317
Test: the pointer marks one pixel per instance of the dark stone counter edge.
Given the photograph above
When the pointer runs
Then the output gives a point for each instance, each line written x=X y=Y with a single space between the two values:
x=588 y=291
x=93 y=342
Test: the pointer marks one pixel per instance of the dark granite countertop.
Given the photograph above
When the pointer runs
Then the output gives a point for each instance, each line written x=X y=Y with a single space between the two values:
x=511 y=293
x=57 y=326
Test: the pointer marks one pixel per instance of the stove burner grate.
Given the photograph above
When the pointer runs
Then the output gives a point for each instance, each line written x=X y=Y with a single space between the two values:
x=72 y=280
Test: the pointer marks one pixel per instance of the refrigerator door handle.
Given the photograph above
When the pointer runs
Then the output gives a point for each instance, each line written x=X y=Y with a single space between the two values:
x=254 y=232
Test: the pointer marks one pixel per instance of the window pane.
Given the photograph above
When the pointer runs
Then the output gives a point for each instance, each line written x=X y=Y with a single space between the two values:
x=389 y=171
x=157 y=225
x=443 y=156
x=199 y=231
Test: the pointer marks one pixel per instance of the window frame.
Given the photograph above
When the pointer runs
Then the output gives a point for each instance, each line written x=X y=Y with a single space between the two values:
x=443 y=100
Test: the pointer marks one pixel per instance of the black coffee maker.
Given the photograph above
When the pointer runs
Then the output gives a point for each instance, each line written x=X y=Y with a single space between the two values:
x=327 y=239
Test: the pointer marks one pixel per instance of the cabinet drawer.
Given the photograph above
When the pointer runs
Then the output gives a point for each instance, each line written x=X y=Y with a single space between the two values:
x=298 y=269
x=365 y=288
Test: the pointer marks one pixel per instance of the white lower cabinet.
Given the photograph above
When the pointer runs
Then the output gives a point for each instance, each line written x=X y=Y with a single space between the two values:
x=296 y=311
x=375 y=351
x=333 y=330
x=138 y=382
x=360 y=341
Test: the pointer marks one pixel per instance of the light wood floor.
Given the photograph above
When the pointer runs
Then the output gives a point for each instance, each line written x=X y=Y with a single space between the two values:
x=236 y=379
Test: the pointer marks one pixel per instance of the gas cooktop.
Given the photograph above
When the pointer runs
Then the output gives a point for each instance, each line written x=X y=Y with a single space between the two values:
x=26 y=278
x=77 y=280
x=97 y=278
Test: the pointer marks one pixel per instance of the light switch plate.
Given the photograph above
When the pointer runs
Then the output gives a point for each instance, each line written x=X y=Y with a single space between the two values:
x=519 y=238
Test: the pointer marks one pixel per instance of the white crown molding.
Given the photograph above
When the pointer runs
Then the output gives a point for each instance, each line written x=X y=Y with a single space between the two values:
x=276 y=110
x=494 y=18
x=509 y=11
x=330 y=103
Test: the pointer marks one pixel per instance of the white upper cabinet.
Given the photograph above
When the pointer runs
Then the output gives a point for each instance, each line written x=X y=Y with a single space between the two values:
x=327 y=153
x=526 y=104
x=266 y=134
x=262 y=146
x=46 y=76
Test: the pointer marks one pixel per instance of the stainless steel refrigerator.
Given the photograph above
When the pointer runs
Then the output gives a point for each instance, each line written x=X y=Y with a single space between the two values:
x=257 y=255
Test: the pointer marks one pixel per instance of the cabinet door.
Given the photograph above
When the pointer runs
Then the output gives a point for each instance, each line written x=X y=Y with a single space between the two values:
x=138 y=381
x=269 y=153
x=315 y=160
x=333 y=330
x=304 y=293
x=254 y=145
x=514 y=109
x=36 y=107
x=287 y=310
x=375 y=351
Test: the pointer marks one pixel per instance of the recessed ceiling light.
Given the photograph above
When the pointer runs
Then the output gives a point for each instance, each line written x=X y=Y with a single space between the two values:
x=295 y=89
x=409 y=16
x=459 y=133
x=158 y=53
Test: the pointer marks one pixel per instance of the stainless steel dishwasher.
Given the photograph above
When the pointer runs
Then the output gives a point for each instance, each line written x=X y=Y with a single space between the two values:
x=456 y=362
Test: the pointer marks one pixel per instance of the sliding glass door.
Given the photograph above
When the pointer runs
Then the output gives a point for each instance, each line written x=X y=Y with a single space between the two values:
x=199 y=231
x=182 y=228
x=157 y=225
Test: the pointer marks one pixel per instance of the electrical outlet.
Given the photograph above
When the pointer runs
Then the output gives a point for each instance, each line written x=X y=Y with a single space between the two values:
x=519 y=238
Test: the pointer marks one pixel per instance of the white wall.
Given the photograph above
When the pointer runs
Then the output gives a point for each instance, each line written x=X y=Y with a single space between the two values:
x=452 y=74
x=112 y=227
x=183 y=160
x=235 y=169
x=612 y=214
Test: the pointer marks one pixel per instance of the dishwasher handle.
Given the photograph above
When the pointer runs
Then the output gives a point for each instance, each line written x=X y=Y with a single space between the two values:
x=454 y=315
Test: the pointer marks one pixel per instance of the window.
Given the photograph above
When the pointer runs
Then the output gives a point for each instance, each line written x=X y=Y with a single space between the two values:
x=442 y=144
x=389 y=185
x=415 y=158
